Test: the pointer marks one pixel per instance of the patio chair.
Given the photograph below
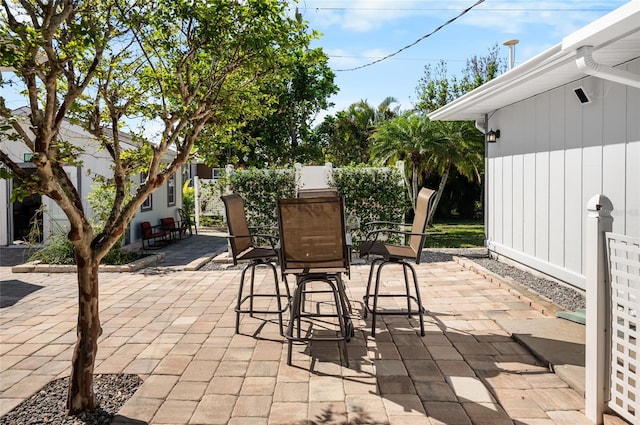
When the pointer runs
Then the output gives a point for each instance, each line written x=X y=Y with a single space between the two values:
x=243 y=249
x=153 y=237
x=176 y=230
x=185 y=221
x=313 y=248
x=388 y=253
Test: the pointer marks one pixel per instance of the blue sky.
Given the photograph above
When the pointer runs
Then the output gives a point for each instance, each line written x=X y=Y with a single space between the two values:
x=357 y=32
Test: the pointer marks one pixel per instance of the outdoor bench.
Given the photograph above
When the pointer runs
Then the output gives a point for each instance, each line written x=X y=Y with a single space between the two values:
x=176 y=230
x=155 y=236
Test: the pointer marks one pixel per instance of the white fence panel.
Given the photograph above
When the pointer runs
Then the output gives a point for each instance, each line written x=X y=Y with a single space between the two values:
x=624 y=275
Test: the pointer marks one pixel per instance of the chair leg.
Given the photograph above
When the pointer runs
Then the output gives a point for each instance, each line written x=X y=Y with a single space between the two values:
x=253 y=275
x=297 y=310
x=418 y=298
x=376 y=293
x=341 y=312
x=294 y=316
x=249 y=297
x=374 y=310
x=406 y=288
x=367 y=294
x=278 y=300
x=239 y=301
x=346 y=308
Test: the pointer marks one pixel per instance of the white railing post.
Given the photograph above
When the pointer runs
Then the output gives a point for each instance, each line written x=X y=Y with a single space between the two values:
x=599 y=221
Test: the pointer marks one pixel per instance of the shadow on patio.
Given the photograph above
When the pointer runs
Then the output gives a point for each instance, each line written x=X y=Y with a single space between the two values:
x=177 y=331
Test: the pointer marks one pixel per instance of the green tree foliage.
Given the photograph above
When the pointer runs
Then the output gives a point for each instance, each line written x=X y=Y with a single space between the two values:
x=409 y=137
x=284 y=135
x=182 y=66
x=460 y=145
x=436 y=87
x=188 y=198
x=345 y=136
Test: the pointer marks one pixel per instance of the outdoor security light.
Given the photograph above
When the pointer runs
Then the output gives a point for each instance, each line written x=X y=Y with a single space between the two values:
x=493 y=136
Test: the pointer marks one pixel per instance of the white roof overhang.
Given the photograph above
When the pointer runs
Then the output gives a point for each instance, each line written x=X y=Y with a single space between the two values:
x=615 y=39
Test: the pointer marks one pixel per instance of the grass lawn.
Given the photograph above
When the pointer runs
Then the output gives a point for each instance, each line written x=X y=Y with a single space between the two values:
x=456 y=234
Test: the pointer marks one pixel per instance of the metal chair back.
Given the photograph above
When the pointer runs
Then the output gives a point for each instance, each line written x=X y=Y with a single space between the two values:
x=312 y=235
x=423 y=206
x=240 y=239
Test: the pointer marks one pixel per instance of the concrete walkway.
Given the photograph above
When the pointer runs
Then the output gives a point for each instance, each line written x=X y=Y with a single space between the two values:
x=175 y=328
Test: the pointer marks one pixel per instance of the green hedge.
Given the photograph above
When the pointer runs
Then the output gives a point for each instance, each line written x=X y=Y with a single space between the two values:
x=370 y=194
x=261 y=189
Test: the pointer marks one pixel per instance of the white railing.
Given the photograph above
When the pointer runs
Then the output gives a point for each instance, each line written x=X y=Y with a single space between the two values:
x=624 y=278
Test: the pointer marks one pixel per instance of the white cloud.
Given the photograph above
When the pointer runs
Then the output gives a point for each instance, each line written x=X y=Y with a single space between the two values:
x=357 y=15
x=507 y=15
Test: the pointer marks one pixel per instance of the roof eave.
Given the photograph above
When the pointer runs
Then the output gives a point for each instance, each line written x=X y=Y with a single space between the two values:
x=496 y=93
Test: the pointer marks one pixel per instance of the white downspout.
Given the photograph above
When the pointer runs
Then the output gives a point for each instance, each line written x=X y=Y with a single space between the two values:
x=586 y=64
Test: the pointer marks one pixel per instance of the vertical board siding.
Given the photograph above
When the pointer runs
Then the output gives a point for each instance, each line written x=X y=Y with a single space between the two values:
x=529 y=193
x=614 y=181
x=507 y=201
x=553 y=156
x=574 y=209
x=556 y=206
x=518 y=202
x=633 y=190
x=498 y=200
x=632 y=225
x=542 y=206
x=556 y=176
x=491 y=193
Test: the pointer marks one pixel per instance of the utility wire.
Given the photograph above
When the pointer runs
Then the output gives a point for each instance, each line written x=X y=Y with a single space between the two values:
x=498 y=9
x=464 y=12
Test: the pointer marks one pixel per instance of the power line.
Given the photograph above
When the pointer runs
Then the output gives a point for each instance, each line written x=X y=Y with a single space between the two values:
x=398 y=59
x=499 y=9
x=464 y=12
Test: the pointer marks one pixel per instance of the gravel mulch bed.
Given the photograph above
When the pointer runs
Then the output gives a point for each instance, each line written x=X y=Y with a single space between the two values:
x=562 y=295
x=47 y=406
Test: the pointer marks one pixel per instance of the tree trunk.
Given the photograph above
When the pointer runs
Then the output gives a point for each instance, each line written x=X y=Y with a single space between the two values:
x=81 y=397
x=443 y=183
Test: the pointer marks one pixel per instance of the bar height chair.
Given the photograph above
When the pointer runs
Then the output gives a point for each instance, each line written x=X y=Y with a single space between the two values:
x=387 y=253
x=313 y=248
x=243 y=249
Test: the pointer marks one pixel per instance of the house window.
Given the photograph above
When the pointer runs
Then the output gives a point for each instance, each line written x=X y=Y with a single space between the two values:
x=171 y=191
x=186 y=173
x=147 y=205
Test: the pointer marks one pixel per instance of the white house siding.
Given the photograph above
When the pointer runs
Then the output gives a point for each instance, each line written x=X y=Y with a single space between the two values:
x=92 y=162
x=552 y=157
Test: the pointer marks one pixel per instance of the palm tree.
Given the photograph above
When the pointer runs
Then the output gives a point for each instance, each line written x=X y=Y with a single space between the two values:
x=353 y=127
x=410 y=137
x=460 y=146
x=429 y=146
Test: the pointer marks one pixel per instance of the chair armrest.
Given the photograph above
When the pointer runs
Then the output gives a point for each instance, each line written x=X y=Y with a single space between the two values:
x=377 y=232
x=270 y=238
x=386 y=223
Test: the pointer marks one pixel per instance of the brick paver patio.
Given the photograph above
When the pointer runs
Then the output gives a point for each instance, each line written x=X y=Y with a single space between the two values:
x=176 y=330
